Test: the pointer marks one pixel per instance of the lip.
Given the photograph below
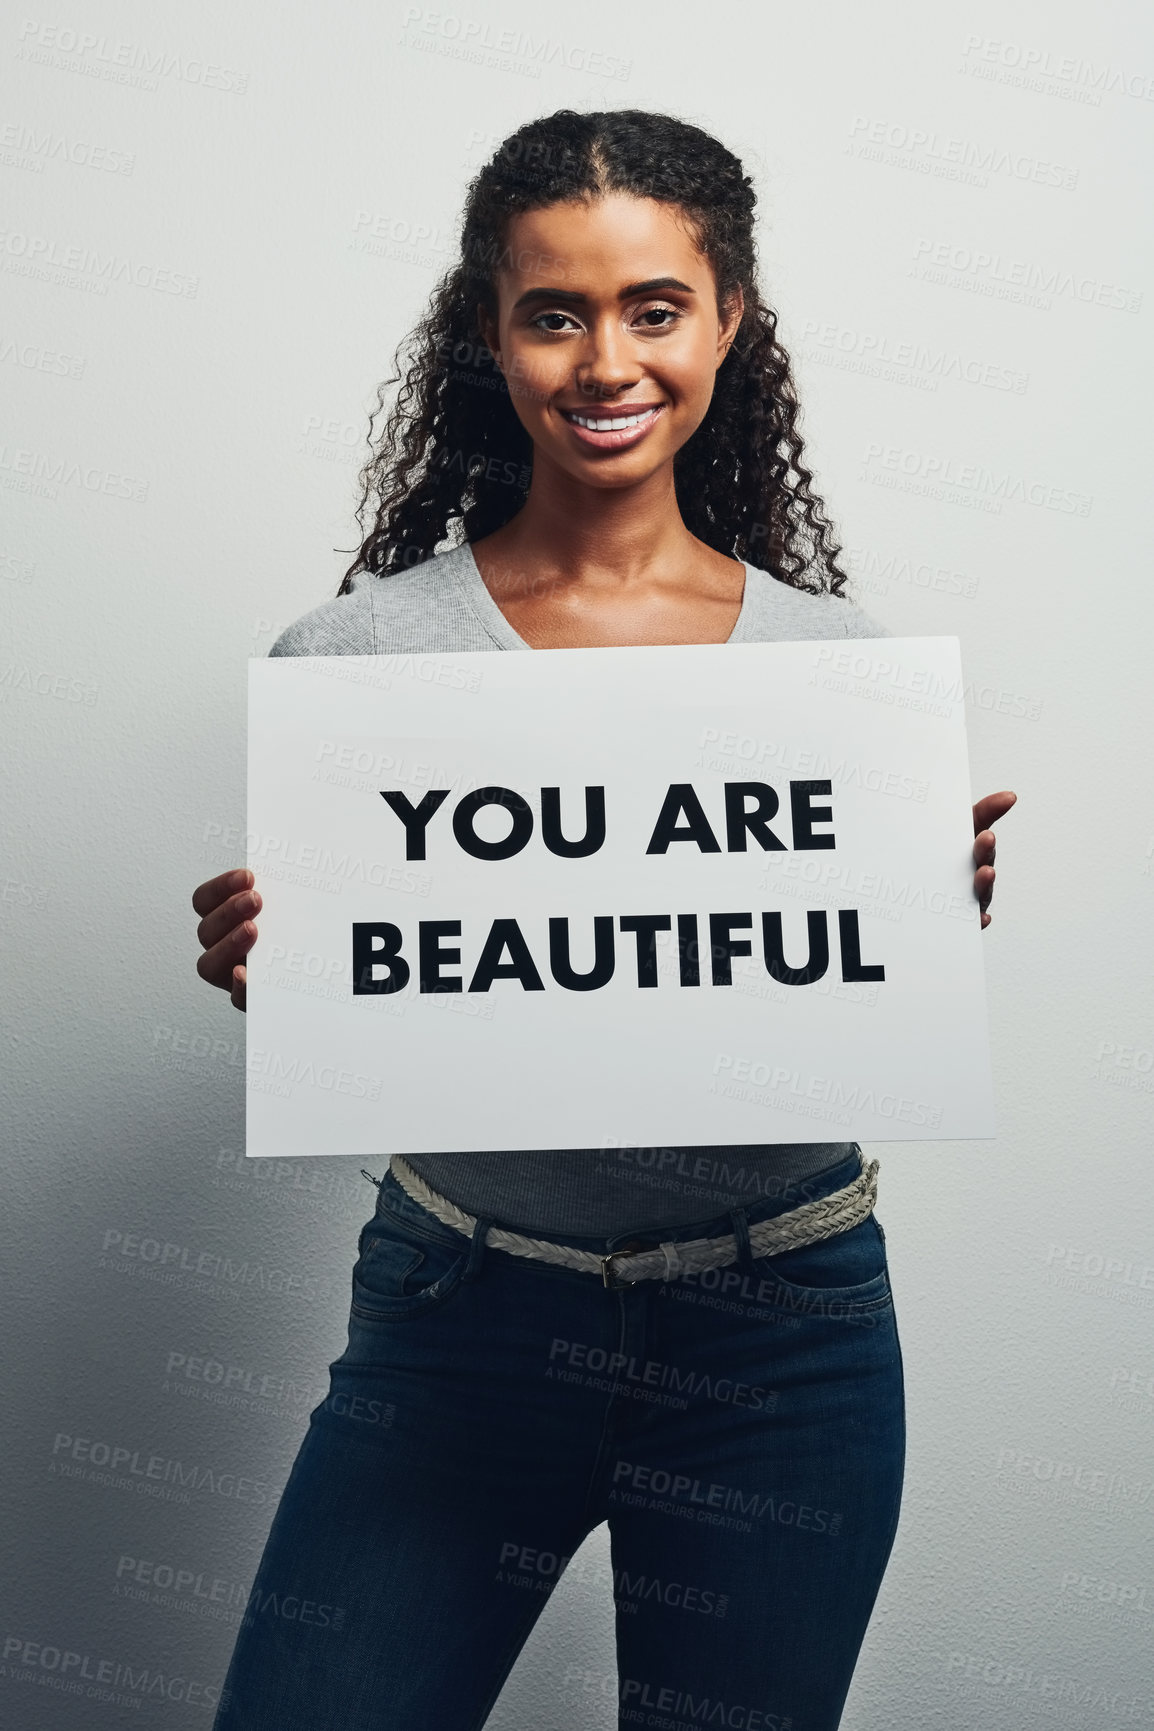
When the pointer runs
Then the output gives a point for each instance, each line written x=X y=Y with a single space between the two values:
x=614 y=439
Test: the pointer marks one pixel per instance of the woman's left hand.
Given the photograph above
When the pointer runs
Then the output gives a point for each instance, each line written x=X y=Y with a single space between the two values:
x=986 y=812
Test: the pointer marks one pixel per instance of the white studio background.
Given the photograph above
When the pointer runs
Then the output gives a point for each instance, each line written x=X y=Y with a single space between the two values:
x=202 y=288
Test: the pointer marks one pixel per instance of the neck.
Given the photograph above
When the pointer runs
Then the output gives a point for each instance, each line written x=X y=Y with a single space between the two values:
x=575 y=532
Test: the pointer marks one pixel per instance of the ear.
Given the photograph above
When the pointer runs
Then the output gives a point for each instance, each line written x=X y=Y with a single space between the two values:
x=487 y=325
x=728 y=322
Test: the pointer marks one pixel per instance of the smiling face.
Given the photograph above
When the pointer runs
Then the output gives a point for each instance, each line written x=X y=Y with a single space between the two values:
x=608 y=334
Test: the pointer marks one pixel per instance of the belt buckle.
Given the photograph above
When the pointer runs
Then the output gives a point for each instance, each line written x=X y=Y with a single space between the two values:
x=607 y=1271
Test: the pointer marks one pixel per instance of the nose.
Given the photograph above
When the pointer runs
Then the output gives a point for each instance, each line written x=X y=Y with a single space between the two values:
x=606 y=365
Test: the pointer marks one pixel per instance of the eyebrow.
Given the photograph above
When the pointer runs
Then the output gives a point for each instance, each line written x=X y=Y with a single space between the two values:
x=651 y=286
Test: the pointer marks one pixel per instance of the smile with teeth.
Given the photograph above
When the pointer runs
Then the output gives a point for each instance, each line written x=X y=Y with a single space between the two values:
x=610 y=423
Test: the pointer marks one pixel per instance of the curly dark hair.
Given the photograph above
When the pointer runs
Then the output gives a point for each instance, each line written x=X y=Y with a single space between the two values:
x=452 y=450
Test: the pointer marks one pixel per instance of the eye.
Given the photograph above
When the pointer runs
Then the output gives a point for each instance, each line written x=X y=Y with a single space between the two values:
x=539 y=322
x=660 y=318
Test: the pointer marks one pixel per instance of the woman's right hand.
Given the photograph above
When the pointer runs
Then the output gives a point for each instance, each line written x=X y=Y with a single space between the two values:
x=226 y=931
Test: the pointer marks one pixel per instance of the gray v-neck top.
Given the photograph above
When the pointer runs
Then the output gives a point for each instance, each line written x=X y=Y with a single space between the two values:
x=441 y=607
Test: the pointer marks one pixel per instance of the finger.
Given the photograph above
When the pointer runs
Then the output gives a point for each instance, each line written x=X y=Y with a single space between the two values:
x=217 y=963
x=239 y=982
x=985 y=846
x=990 y=809
x=207 y=896
x=984 y=886
x=225 y=918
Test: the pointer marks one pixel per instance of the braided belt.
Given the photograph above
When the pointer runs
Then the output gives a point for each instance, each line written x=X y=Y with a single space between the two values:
x=808 y=1224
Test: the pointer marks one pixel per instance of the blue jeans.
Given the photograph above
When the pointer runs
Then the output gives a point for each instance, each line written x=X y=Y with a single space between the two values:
x=741 y=1431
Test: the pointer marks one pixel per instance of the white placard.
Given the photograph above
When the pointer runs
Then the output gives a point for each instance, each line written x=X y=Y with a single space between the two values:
x=710 y=1014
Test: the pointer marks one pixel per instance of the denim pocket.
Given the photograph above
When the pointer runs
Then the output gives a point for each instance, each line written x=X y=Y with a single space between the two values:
x=847 y=1269
x=403 y=1271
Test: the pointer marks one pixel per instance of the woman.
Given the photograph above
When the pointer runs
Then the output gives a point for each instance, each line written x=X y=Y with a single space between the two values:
x=597 y=401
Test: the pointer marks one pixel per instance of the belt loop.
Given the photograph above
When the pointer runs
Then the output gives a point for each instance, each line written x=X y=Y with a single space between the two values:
x=741 y=1237
x=672 y=1255
x=476 y=1249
